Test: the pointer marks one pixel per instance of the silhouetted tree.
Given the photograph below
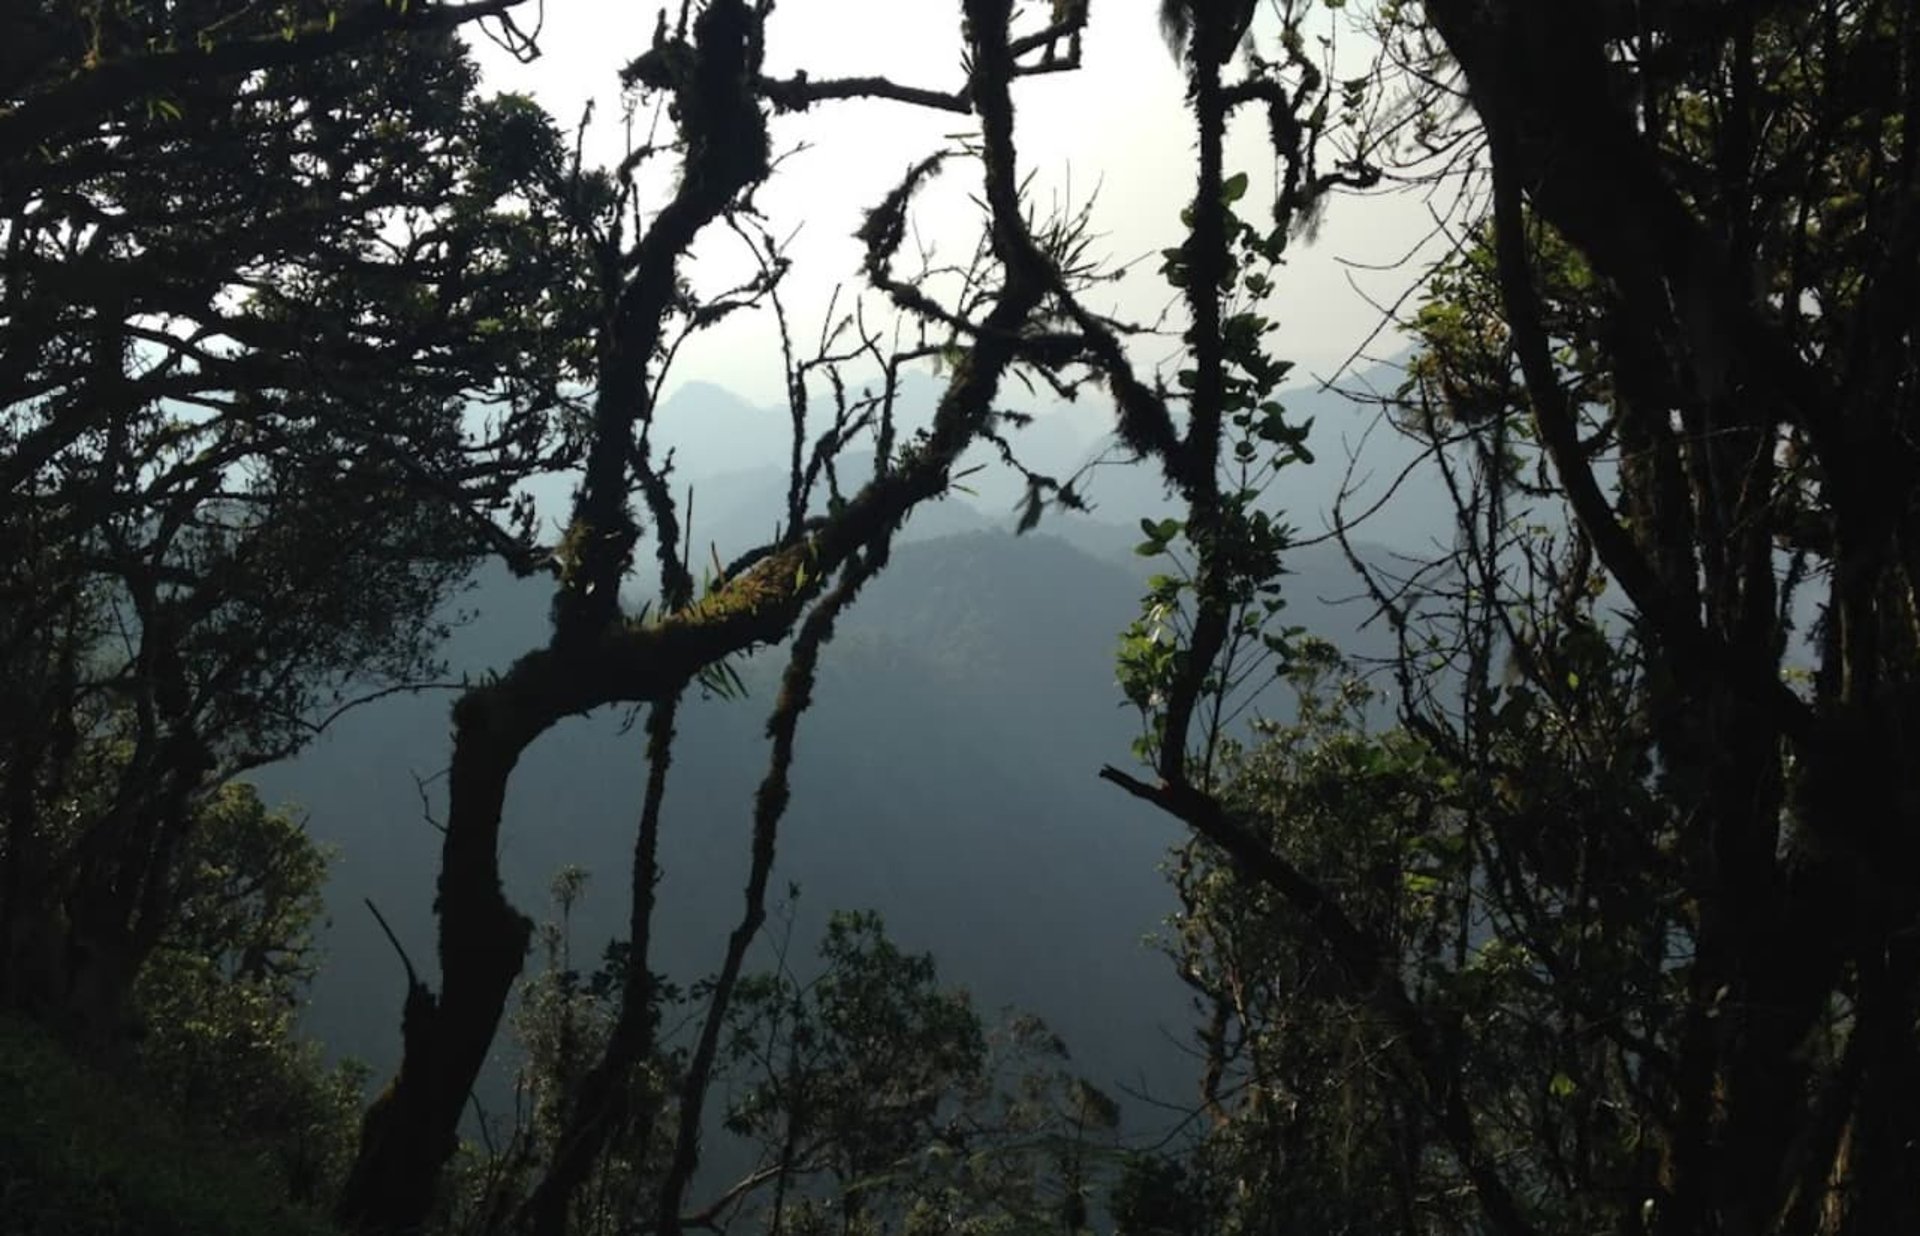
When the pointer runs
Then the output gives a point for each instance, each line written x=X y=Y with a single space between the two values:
x=246 y=311
x=1687 y=840
x=707 y=65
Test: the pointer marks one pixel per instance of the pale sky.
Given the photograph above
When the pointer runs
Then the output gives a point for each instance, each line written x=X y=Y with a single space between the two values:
x=1117 y=124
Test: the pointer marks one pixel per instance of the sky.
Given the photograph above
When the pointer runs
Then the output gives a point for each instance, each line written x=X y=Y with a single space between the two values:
x=1116 y=126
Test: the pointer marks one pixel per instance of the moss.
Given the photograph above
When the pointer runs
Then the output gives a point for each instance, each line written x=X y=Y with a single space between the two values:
x=769 y=583
x=84 y=1154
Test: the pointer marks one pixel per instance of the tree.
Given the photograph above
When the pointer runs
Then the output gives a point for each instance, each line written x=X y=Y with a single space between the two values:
x=859 y=1096
x=245 y=310
x=69 y=67
x=1504 y=846
x=1743 y=208
x=1008 y=312
x=1306 y=1124
x=847 y=1074
x=1684 y=335
x=216 y=1004
x=879 y=1101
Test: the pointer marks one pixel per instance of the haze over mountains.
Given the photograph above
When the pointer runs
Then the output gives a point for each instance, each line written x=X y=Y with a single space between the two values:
x=946 y=775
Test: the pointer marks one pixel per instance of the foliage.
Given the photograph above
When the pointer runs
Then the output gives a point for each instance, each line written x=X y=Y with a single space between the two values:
x=870 y=1049
x=865 y=1098
x=1156 y=1196
x=1532 y=922
x=1637 y=968
x=1303 y=1106
x=1211 y=636
x=1234 y=552
x=70 y=66
x=218 y=1001
x=883 y=1103
x=84 y=1153
x=245 y=316
x=561 y=1026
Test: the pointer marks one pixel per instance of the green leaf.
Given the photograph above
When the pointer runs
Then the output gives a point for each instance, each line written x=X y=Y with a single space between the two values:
x=1234 y=188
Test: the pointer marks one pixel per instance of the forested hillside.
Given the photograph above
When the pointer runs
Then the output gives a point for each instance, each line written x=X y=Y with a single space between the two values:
x=949 y=783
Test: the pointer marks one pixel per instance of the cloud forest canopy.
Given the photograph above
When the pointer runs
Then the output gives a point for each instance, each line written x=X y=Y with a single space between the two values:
x=1617 y=929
